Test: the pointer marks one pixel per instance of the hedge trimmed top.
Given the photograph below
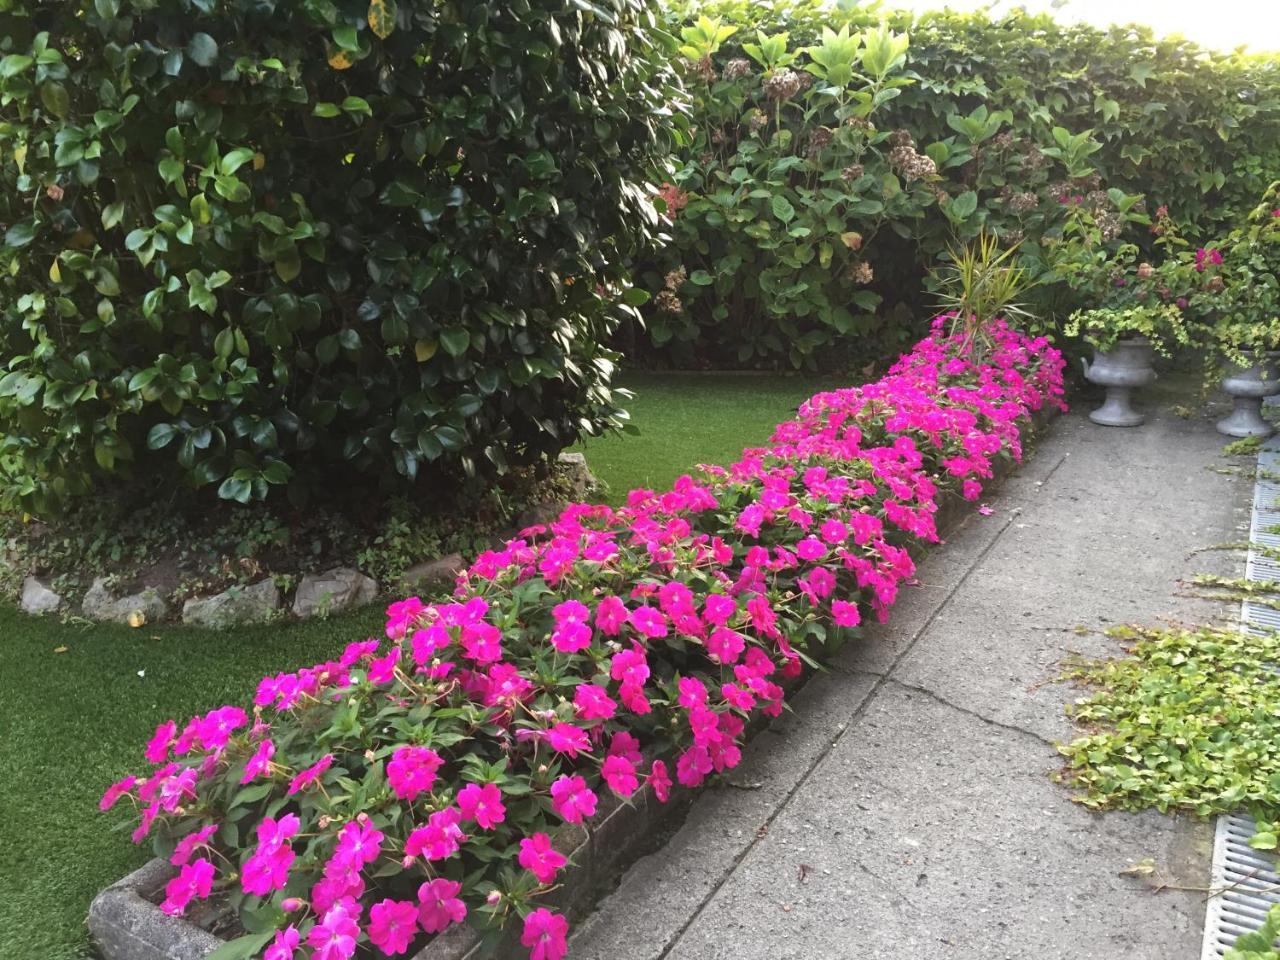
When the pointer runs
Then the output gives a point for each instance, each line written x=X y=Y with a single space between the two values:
x=288 y=242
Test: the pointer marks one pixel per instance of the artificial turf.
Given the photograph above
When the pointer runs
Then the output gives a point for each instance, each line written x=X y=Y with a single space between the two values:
x=78 y=700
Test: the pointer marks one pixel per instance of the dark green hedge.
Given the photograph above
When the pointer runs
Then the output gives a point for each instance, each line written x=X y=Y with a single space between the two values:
x=257 y=244
x=1016 y=112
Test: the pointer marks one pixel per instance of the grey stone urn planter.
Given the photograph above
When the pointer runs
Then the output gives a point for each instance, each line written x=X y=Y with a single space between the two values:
x=1122 y=368
x=1248 y=386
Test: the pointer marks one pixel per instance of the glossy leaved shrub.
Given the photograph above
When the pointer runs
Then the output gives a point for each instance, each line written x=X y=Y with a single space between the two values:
x=250 y=245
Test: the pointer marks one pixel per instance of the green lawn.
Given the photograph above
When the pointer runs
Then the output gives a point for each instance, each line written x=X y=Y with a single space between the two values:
x=686 y=419
x=74 y=720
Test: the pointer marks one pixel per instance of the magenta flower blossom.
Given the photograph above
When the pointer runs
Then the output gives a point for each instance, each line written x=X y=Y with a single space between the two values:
x=439 y=906
x=392 y=925
x=193 y=882
x=625 y=745
x=334 y=937
x=611 y=616
x=311 y=774
x=439 y=839
x=630 y=666
x=725 y=645
x=284 y=946
x=483 y=804
x=593 y=702
x=383 y=669
x=267 y=868
x=413 y=770
x=648 y=622
x=401 y=615
x=358 y=844
x=116 y=791
x=214 y=729
x=845 y=614
x=191 y=843
x=567 y=739
x=660 y=781
x=572 y=799
x=620 y=774
x=544 y=934
x=260 y=762
x=160 y=742
x=540 y=858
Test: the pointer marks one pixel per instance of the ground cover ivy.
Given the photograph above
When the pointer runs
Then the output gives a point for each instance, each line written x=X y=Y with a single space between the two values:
x=424 y=779
x=250 y=246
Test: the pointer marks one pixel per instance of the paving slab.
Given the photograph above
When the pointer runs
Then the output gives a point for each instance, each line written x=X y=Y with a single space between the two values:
x=905 y=809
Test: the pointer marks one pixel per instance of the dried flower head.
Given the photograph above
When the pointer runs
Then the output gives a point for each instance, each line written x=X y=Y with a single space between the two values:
x=861 y=272
x=782 y=85
x=737 y=68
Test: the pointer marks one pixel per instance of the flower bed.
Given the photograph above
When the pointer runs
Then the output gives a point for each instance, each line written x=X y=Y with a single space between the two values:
x=378 y=800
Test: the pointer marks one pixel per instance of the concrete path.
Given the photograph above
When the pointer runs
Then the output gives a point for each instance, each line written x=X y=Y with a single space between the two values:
x=905 y=809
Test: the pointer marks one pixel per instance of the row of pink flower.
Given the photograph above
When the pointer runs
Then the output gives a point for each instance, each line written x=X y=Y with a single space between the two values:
x=574 y=664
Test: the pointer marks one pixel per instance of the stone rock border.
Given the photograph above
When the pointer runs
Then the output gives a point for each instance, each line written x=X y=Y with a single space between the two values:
x=128 y=925
x=319 y=593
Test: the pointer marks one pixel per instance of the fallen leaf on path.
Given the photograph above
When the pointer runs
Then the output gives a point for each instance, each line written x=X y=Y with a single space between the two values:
x=1143 y=868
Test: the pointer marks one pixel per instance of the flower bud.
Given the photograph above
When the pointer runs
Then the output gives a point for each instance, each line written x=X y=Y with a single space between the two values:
x=291 y=904
x=494 y=897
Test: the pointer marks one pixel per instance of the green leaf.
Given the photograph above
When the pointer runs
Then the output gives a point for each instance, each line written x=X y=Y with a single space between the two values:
x=236 y=159
x=455 y=341
x=14 y=64
x=160 y=435
x=20 y=234
x=782 y=208
x=203 y=49
x=55 y=98
x=242 y=948
x=326 y=110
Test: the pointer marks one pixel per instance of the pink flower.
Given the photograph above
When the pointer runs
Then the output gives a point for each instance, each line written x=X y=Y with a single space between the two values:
x=160 y=742
x=334 y=937
x=483 y=804
x=567 y=739
x=284 y=945
x=116 y=791
x=540 y=858
x=426 y=643
x=260 y=762
x=625 y=745
x=214 y=729
x=267 y=868
x=718 y=609
x=985 y=510
x=413 y=770
x=358 y=844
x=620 y=774
x=593 y=702
x=193 y=882
x=611 y=615
x=971 y=489
x=573 y=629
x=310 y=775
x=660 y=781
x=649 y=622
x=439 y=839
x=544 y=934
x=630 y=666
x=811 y=548
x=725 y=645
x=401 y=615
x=833 y=531
x=383 y=670
x=190 y=843
x=439 y=906
x=393 y=925
x=482 y=642
x=845 y=614
x=572 y=799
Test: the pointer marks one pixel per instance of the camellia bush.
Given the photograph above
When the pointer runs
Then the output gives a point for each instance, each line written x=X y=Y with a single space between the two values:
x=421 y=781
x=250 y=245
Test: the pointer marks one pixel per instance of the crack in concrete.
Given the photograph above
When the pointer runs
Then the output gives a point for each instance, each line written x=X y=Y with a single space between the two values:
x=881 y=680
x=937 y=698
